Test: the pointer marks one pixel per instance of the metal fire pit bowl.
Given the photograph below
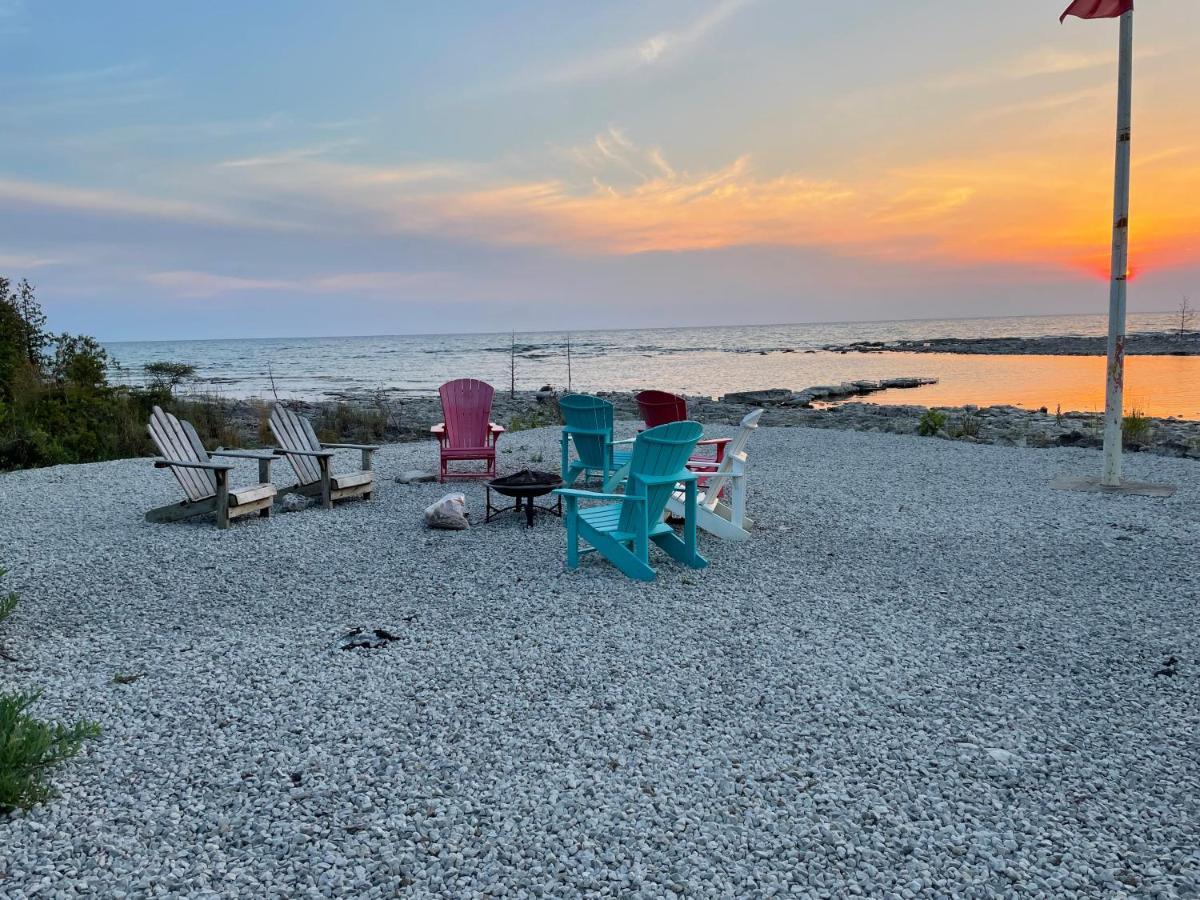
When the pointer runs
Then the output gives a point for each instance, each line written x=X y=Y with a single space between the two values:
x=523 y=487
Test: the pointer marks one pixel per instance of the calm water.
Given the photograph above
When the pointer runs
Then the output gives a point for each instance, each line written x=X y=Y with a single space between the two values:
x=703 y=361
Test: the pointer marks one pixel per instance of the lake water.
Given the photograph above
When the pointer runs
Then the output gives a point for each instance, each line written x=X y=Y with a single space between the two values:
x=701 y=361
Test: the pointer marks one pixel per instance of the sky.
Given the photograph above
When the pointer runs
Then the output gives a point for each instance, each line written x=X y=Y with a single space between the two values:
x=173 y=170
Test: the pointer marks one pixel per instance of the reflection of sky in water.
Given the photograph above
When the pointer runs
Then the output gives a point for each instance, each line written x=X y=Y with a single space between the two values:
x=706 y=361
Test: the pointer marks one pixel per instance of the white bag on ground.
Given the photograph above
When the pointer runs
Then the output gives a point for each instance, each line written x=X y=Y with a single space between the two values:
x=449 y=512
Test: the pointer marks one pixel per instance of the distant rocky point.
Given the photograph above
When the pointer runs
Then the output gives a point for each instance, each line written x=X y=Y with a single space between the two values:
x=1148 y=343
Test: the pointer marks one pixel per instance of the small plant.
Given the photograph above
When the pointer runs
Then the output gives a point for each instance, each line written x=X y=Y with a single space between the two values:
x=1058 y=416
x=537 y=417
x=30 y=749
x=932 y=421
x=1186 y=317
x=1136 y=428
x=966 y=427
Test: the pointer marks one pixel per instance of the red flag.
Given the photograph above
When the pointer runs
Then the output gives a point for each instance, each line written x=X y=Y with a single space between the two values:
x=1097 y=9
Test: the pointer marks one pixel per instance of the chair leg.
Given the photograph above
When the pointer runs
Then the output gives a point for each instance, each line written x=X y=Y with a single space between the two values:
x=222 y=498
x=571 y=515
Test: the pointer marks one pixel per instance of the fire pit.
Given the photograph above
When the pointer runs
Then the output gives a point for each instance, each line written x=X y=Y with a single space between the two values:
x=523 y=487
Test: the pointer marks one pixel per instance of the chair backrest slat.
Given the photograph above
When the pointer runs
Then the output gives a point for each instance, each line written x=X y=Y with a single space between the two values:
x=295 y=433
x=660 y=408
x=589 y=422
x=467 y=412
x=735 y=455
x=656 y=452
x=174 y=441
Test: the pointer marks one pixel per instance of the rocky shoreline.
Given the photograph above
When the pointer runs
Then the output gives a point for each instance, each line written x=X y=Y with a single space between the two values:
x=1160 y=343
x=389 y=418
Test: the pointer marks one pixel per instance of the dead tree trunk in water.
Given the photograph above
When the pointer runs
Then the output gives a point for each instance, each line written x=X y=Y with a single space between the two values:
x=512 y=368
x=568 y=361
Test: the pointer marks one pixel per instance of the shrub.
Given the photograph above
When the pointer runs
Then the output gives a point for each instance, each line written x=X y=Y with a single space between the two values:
x=931 y=422
x=30 y=749
x=351 y=423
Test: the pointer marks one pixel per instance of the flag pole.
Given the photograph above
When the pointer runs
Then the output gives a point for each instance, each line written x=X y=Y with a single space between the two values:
x=1115 y=383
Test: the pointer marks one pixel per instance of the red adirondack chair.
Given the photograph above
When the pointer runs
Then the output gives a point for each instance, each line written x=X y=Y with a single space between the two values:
x=467 y=432
x=660 y=408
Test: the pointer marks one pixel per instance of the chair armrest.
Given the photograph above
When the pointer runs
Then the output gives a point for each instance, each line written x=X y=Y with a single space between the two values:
x=667 y=479
x=351 y=446
x=439 y=428
x=595 y=495
x=496 y=429
x=713 y=442
x=211 y=466
x=246 y=454
x=281 y=451
x=623 y=441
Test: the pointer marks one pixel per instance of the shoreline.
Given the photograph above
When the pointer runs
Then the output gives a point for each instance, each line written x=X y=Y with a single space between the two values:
x=1144 y=343
x=407 y=419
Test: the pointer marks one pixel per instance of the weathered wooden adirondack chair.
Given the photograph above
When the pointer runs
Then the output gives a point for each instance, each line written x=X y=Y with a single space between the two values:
x=468 y=433
x=588 y=423
x=311 y=460
x=623 y=529
x=659 y=408
x=724 y=519
x=205 y=482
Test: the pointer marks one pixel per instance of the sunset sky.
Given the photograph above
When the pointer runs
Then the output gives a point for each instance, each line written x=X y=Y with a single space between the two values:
x=282 y=168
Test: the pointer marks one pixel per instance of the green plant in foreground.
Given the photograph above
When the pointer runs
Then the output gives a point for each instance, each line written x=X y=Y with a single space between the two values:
x=30 y=748
x=1136 y=428
x=932 y=421
x=967 y=426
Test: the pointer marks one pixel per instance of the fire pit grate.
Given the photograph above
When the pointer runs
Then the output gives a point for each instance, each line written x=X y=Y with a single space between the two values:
x=523 y=487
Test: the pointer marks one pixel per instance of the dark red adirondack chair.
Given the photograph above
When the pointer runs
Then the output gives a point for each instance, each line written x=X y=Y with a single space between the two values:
x=467 y=432
x=661 y=408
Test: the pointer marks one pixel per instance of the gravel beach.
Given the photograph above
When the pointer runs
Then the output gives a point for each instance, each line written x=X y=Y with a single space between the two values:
x=928 y=674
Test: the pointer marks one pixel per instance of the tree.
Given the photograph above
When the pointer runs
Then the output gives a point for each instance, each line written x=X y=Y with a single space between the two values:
x=36 y=338
x=79 y=361
x=1186 y=316
x=166 y=376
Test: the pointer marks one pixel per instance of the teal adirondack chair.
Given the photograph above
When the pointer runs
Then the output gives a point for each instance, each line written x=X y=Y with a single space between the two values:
x=588 y=423
x=623 y=528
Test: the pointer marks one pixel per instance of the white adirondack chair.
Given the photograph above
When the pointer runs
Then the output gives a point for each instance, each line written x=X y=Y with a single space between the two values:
x=724 y=519
x=205 y=482
x=310 y=460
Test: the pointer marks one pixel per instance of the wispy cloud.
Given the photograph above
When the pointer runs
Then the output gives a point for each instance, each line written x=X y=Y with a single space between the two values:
x=123 y=204
x=655 y=50
x=21 y=262
x=199 y=284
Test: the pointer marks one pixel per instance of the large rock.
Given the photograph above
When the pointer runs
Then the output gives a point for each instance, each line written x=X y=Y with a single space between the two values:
x=294 y=503
x=758 y=398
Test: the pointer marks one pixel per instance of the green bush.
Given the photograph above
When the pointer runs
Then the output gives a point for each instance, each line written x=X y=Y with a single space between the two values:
x=931 y=422
x=966 y=426
x=30 y=749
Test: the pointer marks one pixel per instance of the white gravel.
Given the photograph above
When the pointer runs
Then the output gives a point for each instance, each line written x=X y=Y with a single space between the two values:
x=927 y=675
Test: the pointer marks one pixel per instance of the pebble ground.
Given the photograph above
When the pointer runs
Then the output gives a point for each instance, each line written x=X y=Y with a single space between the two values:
x=927 y=675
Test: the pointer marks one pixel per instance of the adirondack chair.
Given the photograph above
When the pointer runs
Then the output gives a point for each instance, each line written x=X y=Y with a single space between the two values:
x=468 y=433
x=588 y=423
x=724 y=519
x=659 y=408
x=205 y=482
x=311 y=460
x=623 y=528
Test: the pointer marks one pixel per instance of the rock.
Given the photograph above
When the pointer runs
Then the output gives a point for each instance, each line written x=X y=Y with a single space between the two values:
x=415 y=476
x=294 y=503
x=758 y=398
x=450 y=512
x=1001 y=755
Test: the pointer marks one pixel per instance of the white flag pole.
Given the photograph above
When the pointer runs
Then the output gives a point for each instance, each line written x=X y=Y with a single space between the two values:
x=1115 y=384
